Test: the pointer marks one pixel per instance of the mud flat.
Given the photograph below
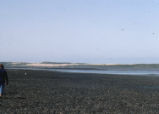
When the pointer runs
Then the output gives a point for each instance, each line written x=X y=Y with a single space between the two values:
x=79 y=93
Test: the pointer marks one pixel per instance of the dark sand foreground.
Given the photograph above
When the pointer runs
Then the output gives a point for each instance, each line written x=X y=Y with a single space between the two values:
x=75 y=93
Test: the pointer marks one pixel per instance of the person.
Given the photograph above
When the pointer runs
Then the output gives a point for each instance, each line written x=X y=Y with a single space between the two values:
x=3 y=79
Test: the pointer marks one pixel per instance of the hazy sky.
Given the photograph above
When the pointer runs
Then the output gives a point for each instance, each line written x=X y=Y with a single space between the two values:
x=89 y=31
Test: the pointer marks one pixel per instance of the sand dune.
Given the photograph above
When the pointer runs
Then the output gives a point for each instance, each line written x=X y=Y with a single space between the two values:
x=49 y=65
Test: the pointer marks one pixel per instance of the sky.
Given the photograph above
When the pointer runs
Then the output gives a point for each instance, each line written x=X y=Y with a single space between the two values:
x=79 y=31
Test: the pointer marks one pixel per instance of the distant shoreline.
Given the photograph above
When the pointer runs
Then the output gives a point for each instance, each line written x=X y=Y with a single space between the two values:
x=123 y=69
x=91 y=71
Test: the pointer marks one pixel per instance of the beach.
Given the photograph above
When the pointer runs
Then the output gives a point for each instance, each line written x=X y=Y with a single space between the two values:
x=35 y=91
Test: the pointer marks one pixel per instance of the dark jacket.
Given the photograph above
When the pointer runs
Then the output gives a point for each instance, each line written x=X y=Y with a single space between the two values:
x=3 y=77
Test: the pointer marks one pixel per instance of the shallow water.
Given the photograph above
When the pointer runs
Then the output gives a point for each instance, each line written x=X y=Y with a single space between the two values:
x=123 y=72
x=112 y=72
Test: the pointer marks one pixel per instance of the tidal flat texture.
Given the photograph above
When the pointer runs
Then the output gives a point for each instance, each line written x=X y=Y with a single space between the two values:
x=46 y=92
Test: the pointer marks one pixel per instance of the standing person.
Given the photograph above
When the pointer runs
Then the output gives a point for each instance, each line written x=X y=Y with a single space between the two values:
x=3 y=79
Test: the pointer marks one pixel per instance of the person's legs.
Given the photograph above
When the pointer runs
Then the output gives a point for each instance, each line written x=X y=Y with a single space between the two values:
x=1 y=89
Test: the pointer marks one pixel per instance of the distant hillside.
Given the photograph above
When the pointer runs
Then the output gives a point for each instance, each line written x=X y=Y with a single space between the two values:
x=14 y=64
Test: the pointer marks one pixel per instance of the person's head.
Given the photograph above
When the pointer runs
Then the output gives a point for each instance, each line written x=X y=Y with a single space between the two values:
x=1 y=66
